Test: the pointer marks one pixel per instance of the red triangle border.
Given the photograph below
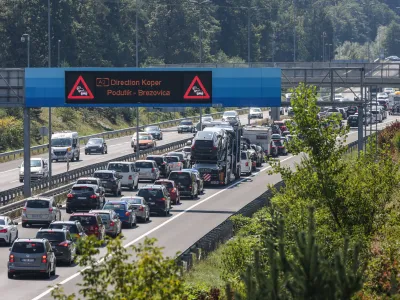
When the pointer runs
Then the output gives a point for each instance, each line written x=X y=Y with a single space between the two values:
x=206 y=95
x=71 y=93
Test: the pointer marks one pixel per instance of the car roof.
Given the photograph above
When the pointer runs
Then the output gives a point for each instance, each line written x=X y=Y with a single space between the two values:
x=105 y=171
x=152 y=186
x=84 y=185
x=65 y=222
x=40 y=198
x=101 y=211
x=181 y=171
x=84 y=214
x=191 y=170
x=28 y=240
x=131 y=197
x=155 y=155
x=52 y=229
x=145 y=160
x=116 y=201
x=88 y=178
x=164 y=180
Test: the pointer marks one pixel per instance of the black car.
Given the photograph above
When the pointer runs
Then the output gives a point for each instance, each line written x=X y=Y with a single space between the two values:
x=351 y=110
x=84 y=197
x=276 y=129
x=96 y=145
x=74 y=227
x=157 y=197
x=155 y=131
x=186 y=126
x=186 y=182
x=110 y=180
x=162 y=164
x=62 y=243
x=352 y=121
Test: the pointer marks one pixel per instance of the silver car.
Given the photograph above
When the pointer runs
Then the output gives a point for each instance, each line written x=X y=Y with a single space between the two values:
x=8 y=230
x=110 y=220
x=140 y=206
x=40 y=210
x=148 y=170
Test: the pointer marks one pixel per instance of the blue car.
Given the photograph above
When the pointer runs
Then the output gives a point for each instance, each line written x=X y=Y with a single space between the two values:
x=124 y=211
x=200 y=181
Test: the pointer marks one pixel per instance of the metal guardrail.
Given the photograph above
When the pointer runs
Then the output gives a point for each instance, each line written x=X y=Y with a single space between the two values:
x=225 y=231
x=71 y=176
x=107 y=134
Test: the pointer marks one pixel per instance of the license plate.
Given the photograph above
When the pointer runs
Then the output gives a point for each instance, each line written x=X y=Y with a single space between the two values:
x=214 y=182
x=27 y=259
x=92 y=150
x=82 y=198
x=151 y=203
x=36 y=216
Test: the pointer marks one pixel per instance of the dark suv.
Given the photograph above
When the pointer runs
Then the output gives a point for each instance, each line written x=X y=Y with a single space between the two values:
x=157 y=197
x=84 y=197
x=74 y=227
x=62 y=243
x=155 y=131
x=29 y=256
x=161 y=162
x=91 y=223
x=110 y=180
x=186 y=182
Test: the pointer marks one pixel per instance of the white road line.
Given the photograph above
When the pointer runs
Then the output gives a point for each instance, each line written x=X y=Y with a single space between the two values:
x=163 y=224
x=14 y=181
x=9 y=170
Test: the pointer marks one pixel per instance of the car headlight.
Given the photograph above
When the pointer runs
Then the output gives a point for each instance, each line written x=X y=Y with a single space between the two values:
x=69 y=149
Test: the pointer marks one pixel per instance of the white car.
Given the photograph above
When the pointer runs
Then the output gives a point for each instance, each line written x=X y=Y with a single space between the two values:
x=8 y=230
x=229 y=114
x=174 y=163
x=388 y=90
x=382 y=96
x=148 y=170
x=339 y=95
x=245 y=162
x=130 y=176
x=255 y=113
x=39 y=169
x=377 y=115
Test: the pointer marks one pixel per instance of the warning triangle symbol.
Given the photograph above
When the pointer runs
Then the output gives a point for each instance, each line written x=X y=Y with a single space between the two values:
x=80 y=90
x=196 y=90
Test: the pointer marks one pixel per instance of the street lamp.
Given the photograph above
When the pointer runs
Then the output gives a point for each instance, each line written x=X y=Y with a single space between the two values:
x=26 y=37
x=200 y=27
x=323 y=46
x=329 y=51
x=49 y=65
x=58 y=53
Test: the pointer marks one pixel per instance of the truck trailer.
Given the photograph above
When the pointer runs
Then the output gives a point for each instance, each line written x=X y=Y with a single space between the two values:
x=260 y=136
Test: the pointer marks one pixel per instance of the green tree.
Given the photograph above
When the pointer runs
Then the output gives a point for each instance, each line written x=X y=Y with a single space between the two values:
x=392 y=41
x=116 y=276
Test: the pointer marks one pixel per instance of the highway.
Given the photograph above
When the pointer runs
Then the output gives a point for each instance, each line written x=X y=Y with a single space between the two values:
x=187 y=223
x=117 y=147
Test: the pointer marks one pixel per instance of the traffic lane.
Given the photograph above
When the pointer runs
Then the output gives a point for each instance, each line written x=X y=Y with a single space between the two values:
x=194 y=218
x=116 y=147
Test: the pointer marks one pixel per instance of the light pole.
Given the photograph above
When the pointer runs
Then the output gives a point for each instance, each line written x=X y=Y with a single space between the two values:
x=329 y=51
x=137 y=66
x=58 y=53
x=26 y=37
x=294 y=31
x=323 y=46
x=49 y=62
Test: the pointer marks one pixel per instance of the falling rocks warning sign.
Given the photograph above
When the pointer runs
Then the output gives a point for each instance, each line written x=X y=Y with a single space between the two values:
x=138 y=87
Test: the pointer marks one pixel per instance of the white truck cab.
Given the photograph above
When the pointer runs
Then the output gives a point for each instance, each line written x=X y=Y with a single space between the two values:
x=39 y=169
x=259 y=135
x=65 y=146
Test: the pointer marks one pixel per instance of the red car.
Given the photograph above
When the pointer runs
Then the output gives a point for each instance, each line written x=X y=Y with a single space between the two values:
x=91 y=223
x=172 y=190
x=281 y=125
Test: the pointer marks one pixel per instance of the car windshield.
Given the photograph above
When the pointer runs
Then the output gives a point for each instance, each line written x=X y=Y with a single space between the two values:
x=243 y=155
x=84 y=220
x=114 y=206
x=144 y=137
x=82 y=189
x=151 y=128
x=256 y=110
x=167 y=184
x=27 y=247
x=103 y=175
x=186 y=123
x=182 y=178
x=69 y=227
x=36 y=163
x=104 y=216
x=118 y=167
x=61 y=142
x=87 y=181
x=37 y=204
x=146 y=193
x=133 y=200
x=52 y=236
x=172 y=159
x=179 y=155
x=95 y=141
x=144 y=165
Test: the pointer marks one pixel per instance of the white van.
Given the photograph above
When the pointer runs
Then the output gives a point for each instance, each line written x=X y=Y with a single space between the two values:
x=130 y=176
x=65 y=145
x=245 y=162
x=39 y=169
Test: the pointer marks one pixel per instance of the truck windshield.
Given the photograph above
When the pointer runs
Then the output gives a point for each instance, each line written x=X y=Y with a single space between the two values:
x=34 y=163
x=61 y=142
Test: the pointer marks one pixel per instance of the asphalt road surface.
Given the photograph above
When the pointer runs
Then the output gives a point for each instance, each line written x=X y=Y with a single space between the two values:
x=187 y=223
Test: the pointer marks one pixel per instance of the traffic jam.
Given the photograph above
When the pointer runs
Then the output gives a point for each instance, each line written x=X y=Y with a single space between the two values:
x=220 y=152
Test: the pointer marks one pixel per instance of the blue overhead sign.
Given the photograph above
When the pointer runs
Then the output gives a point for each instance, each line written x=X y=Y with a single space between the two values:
x=152 y=87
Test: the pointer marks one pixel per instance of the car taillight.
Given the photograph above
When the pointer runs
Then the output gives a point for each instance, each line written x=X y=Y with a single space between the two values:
x=3 y=231
x=162 y=199
x=127 y=214
x=24 y=209
x=164 y=163
x=247 y=164
x=44 y=259
x=193 y=147
x=112 y=223
x=190 y=187
x=11 y=258
x=215 y=148
x=173 y=191
x=179 y=164
x=70 y=196
x=93 y=196
x=63 y=244
x=141 y=208
x=50 y=209
x=152 y=170
x=130 y=177
x=96 y=228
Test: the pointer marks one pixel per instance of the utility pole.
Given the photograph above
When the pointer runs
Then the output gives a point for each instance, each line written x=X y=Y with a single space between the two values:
x=248 y=35
x=294 y=31
x=49 y=61
x=323 y=46
x=58 y=53
x=137 y=66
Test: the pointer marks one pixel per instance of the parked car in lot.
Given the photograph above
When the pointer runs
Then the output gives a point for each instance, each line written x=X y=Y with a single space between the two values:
x=111 y=221
x=148 y=170
x=96 y=145
x=84 y=197
x=39 y=169
x=8 y=230
x=31 y=256
x=91 y=223
x=140 y=206
x=245 y=162
x=124 y=211
x=155 y=131
x=186 y=182
x=186 y=126
x=171 y=188
x=162 y=164
x=110 y=180
x=62 y=243
x=157 y=198
x=40 y=210
x=126 y=169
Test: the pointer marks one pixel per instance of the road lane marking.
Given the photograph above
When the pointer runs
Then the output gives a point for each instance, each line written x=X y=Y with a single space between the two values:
x=163 y=224
x=9 y=170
